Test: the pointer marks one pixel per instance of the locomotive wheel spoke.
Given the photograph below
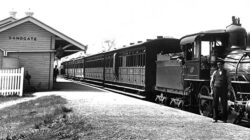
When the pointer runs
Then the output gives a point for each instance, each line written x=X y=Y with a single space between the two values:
x=205 y=105
x=234 y=116
x=206 y=109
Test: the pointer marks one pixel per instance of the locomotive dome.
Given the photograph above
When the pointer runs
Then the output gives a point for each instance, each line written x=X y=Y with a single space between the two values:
x=237 y=34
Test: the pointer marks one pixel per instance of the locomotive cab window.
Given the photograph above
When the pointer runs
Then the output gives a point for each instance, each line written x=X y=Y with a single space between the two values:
x=192 y=51
x=217 y=48
x=205 y=48
x=196 y=50
x=189 y=51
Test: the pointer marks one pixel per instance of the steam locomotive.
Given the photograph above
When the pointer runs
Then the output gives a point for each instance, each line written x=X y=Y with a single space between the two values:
x=176 y=72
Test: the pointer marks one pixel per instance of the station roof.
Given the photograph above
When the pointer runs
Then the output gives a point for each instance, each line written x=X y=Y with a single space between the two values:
x=68 y=44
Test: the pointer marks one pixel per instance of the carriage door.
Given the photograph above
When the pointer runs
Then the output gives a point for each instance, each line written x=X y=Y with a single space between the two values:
x=115 y=66
x=192 y=63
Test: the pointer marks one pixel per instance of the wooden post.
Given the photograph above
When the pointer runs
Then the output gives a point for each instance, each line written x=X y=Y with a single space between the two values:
x=21 y=84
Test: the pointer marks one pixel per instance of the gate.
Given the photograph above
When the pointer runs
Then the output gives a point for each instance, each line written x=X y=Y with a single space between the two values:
x=11 y=82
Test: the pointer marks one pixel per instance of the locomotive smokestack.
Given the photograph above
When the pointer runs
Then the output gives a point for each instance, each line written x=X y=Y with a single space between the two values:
x=239 y=22
x=236 y=21
x=233 y=20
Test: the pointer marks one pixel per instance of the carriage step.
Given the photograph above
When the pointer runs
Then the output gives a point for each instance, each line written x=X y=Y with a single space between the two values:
x=125 y=93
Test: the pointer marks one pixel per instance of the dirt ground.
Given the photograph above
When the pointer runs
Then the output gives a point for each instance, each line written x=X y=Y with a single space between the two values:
x=102 y=115
x=115 y=116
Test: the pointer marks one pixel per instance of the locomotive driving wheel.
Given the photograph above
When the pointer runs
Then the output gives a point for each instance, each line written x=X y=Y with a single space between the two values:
x=205 y=101
x=234 y=113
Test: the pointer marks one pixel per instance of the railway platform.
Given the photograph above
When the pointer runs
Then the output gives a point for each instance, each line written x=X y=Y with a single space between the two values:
x=116 y=116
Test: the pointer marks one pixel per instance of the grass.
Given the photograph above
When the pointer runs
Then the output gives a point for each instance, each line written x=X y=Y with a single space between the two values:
x=14 y=97
x=44 y=118
x=8 y=98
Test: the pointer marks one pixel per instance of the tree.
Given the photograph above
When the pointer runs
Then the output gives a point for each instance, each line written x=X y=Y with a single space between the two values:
x=108 y=45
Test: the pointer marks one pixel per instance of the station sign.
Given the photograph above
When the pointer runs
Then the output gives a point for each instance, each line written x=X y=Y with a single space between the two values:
x=24 y=38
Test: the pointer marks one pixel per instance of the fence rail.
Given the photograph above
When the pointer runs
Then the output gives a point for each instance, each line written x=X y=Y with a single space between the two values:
x=11 y=82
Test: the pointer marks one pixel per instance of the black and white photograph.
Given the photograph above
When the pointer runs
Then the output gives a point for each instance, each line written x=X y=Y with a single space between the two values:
x=125 y=70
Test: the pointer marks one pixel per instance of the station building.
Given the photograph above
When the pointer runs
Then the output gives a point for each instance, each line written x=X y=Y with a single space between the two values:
x=29 y=43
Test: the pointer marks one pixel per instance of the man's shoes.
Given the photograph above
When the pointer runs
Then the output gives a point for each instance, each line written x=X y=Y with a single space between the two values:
x=215 y=121
x=225 y=121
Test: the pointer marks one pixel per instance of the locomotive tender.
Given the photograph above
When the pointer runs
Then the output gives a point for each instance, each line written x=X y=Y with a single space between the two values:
x=176 y=72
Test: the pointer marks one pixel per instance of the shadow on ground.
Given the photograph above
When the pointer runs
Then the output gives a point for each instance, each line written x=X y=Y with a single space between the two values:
x=70 y=86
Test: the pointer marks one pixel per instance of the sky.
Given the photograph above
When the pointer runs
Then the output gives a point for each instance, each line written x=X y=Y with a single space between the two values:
x=91 y=22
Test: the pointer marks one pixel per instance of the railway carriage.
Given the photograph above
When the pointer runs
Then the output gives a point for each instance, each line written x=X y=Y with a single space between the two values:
x=132 y=67
x=126 y=67
x=94 y=68
x=79 y=68
x=69 y=68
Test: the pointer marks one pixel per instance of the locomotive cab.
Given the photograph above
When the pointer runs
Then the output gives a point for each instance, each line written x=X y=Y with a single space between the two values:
x=201 y=50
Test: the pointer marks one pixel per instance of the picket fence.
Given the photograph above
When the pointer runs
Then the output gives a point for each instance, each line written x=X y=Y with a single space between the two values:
x=11 y=82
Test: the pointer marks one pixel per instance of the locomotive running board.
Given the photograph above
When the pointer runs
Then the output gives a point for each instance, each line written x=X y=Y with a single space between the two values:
x=245 y=93
x=198 y=80
x=240 y=82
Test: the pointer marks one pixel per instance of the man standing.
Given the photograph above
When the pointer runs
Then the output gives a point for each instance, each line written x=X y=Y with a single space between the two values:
x=55 y=73
x=220 y=84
